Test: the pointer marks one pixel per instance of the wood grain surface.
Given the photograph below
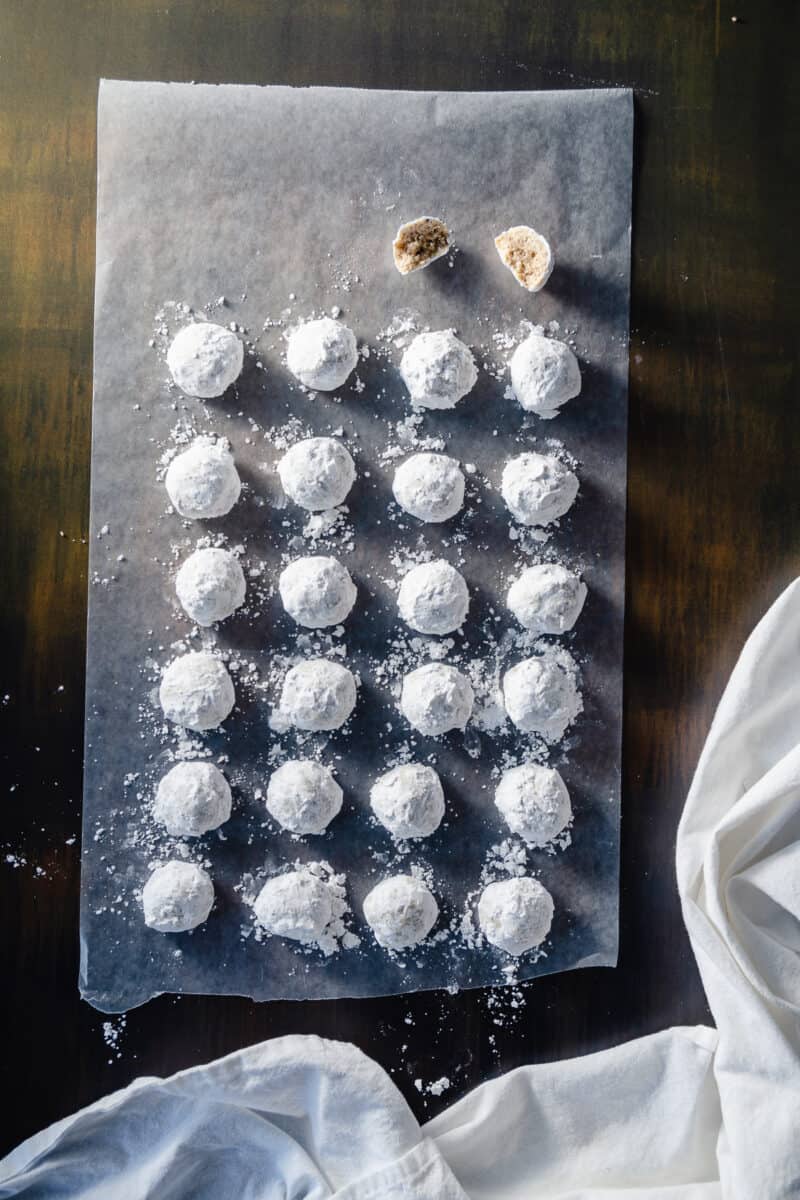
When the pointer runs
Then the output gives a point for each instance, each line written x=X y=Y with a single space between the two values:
x=714 y=521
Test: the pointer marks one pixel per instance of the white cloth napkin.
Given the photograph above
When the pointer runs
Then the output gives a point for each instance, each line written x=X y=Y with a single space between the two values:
x=693 y=1114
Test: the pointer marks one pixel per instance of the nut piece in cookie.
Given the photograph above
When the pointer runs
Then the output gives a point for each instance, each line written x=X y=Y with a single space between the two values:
x=527 y=255
x=419 y=243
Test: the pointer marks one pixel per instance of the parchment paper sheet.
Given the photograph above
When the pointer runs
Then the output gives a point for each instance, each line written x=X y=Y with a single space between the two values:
x=255 y=194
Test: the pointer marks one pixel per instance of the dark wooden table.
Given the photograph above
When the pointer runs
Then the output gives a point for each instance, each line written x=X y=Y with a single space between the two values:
x=714 y=521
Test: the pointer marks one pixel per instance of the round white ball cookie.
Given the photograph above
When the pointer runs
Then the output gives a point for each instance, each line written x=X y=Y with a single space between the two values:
x=547 y=598
x=196 y=691
x=544 y=375
x=203 y=482
x=515 y=914
x=317 y=473
x=177 y=897
x=538 y=488
x=321 y=354
x=534 y=802
x=296 y=905
x=433 y=598
x=541 y=697
x=408 y=800
x=317 y=591
x=429 y=486
x=303 y=796
x=438 y=370
x=191 y=799
x=436 y=698
x=318 y=694
x=210 y=585
x=401 y=911
x=205 y=359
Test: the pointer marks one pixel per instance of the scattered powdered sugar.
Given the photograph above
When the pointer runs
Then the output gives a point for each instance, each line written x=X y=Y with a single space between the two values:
x=502 y=343
x=404 y=436
x=505 y=1005
x=281 y=437
x=329 y=528
x=436 y=1088
x=508 y=857
x=400 y=329
x=113 y=1031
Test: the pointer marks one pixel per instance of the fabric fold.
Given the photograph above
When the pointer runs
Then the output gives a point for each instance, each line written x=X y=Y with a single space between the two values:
x=421 y=1174
x=293 y=1117
x=643 y=1116
x=738 y=865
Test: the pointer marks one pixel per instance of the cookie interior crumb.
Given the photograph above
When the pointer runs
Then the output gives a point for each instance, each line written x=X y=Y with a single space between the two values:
x=527 y=255
x=419 y=242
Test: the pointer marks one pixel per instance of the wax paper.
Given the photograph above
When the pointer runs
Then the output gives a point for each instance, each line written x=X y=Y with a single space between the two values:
x=258 y=208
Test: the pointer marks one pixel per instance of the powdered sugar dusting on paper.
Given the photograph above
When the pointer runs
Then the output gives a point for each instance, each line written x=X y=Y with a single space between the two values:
x=263 y=416
x=258 y=680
